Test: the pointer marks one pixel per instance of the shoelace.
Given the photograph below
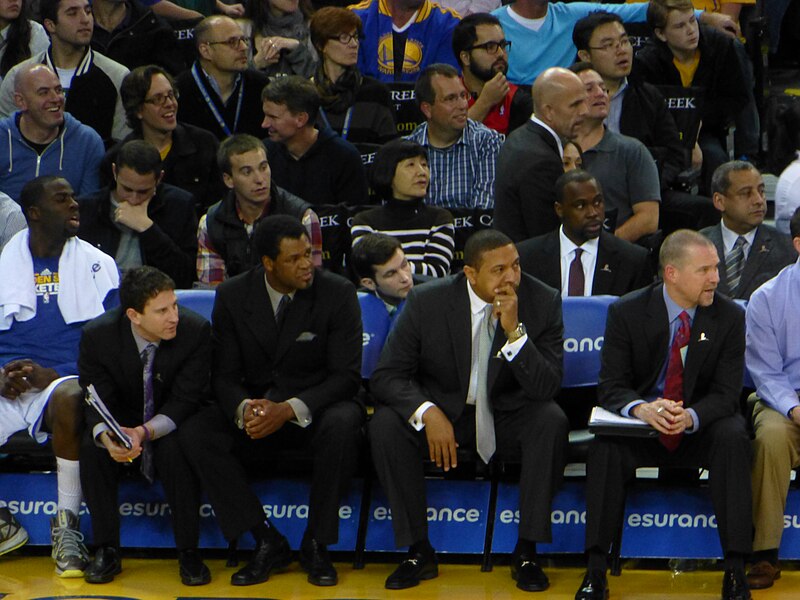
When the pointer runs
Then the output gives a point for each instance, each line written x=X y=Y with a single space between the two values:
x=8 y=529
x=68 y=542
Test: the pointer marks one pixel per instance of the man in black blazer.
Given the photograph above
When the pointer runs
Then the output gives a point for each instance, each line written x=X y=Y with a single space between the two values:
x=616 y=266
x=474 y=360
x=146 y=334
x=738 y=190
x=673 y=356
x=286 y=367
x=530 y=160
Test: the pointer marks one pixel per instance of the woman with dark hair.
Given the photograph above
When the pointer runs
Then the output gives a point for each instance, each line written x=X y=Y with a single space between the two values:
x=278 y=31
x=400 y=177
x=357 y=107
x=189 y=153
x=20 y=38
x=573 y=156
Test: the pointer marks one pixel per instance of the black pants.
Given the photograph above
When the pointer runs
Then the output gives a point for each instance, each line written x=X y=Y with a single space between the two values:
x=537 y=434
x=214 y=447
x=100 y=482
x=723 y=447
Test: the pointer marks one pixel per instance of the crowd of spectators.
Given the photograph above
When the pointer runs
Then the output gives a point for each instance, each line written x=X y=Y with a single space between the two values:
x=288 y=129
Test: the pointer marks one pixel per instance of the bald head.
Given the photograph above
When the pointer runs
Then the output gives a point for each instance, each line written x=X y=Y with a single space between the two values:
x=40 y=99
x=31 y=72
x=559 y=99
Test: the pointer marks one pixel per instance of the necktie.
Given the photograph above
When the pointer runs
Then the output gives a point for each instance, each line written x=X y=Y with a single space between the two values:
x=734 y=263
x=484 y=421
x=577 y=281
x=280 y=313
x=673 y=380
x=148 y=355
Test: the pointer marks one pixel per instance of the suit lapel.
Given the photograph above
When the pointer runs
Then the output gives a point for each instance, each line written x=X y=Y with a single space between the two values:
x=260 y=320
x=762 y=246
x=551 y=259
x=131 y=361
x=703 y=335
x=459 y=323
x=715 y=235
x=297 y=320
x=605 y=268
x=656 y=331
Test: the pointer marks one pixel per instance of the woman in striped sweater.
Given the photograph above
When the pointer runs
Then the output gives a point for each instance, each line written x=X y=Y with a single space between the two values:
x=400 y=177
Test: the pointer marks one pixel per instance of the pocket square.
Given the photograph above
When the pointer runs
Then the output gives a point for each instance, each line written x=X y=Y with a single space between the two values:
x=306 y=336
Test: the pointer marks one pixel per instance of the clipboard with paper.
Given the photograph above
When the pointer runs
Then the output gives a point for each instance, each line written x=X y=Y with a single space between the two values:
x=93 y=399
x=605 y=422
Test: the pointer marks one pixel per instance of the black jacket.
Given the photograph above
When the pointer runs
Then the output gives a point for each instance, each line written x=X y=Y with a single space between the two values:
x=645 y=117
x=190 y=165
x=719 y=74
x=170 y=244
x=141 y=39
x=228 y=236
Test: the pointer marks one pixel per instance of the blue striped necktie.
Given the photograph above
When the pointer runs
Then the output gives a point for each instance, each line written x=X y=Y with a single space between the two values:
x=734 y=263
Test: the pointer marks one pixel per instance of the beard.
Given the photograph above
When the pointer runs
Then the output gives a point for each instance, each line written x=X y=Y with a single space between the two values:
x=485 y=74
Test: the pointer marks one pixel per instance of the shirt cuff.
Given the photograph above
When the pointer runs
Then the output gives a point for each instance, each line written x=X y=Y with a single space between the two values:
x=511 y=349
x=96 y=431
x=416 y=419
x=161 y=425
x=239 y=418
x=626 y=410
x=301 y=412
x=695 y=421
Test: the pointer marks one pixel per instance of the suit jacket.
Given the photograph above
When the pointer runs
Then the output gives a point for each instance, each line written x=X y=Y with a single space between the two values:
x=527 y=168
x=110 y=360
x=428 y=354
x=316 y=356
x=771 y=251
x=637 y=341
x=621 y=267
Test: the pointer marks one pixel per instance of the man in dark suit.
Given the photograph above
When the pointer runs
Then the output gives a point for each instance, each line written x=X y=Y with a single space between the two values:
x=530 y=161
x=673 y=356
x=286 y=367
x=475 y=361
x=580 y=258
x=750 y=251
x=149 y=363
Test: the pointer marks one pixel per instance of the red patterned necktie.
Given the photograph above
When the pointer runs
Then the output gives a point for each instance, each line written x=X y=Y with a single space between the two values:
x=673 y=380
x=577 y=280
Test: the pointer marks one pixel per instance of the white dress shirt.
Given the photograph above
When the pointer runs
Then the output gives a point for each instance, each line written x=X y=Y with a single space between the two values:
x=588 y=260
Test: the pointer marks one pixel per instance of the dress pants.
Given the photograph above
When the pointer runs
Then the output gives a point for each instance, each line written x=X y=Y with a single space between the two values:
x=215 y=446
x=723 y=447
x=536 y=433
x=100 y=482
x=776 y=452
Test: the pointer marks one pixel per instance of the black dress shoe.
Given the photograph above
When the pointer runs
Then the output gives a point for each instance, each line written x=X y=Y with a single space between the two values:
x=417 y=567
x=593 y=587
x=105 y=564
x=268 y=556
x=192 y=569
x=734 y=585
x=529 y=575
x=315 y=561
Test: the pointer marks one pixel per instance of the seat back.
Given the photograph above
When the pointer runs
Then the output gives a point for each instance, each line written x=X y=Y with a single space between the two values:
x=200 y=301
x=584 y=328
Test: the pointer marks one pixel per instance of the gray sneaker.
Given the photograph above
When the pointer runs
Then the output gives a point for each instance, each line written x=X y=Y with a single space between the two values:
x=12 y=534
x=69 y=553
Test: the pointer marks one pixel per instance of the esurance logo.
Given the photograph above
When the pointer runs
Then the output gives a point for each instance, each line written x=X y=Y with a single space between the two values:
x=583 y=344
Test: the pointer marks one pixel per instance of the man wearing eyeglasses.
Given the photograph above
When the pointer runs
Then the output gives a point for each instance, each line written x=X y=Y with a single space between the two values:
x=482 y=51
x=220 y=93
x=90 y=80
x=750 y=251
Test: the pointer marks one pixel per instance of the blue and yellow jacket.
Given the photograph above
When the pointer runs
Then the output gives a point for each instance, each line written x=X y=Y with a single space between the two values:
x=429 y=40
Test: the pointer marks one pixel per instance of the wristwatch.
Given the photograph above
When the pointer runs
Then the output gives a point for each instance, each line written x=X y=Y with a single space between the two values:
x=517 y=333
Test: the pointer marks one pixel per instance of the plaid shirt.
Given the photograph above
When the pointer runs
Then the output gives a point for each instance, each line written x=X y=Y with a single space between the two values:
x=211 y=266
x=462 y=175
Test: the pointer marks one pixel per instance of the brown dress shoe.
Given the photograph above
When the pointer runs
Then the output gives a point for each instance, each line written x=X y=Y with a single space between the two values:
x=763 y=574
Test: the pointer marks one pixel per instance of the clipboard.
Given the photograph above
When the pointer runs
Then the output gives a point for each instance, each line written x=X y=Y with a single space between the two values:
x=605 y=422
x=93 y=400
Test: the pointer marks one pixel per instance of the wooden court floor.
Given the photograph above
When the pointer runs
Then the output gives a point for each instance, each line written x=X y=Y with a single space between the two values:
x=32 y=578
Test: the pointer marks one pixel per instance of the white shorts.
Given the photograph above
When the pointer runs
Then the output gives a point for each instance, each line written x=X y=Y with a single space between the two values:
x=26 y=412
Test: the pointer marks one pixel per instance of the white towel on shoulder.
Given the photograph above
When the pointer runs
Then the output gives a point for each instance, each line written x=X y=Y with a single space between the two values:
x=86 y=275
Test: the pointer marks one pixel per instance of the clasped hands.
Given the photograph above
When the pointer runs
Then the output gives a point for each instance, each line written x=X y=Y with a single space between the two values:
x=20 y=376
x=263 y=417
x=665 y=416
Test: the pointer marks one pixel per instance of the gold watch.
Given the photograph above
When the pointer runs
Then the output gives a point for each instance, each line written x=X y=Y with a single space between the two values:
x=517 y=333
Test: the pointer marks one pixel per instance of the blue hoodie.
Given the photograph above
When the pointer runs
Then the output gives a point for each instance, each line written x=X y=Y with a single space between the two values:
x=74 y=155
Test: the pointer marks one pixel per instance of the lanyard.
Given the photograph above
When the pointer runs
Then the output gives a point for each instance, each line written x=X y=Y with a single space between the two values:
x=348 y=117
x=213 y=107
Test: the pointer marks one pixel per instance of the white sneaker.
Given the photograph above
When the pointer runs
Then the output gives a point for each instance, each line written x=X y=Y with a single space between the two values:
x=69 y=553
x=12 y=534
